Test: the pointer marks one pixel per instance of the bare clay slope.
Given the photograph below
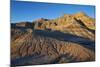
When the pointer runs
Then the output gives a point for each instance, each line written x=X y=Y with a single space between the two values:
x=29 y=48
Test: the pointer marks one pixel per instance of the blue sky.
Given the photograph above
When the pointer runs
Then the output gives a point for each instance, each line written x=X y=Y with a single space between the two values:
x=30 y=11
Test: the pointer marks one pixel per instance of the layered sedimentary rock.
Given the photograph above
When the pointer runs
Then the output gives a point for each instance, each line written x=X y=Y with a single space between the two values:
x=69 y=38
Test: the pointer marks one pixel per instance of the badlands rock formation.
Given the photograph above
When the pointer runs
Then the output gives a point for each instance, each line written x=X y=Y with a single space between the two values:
x=69 y=38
